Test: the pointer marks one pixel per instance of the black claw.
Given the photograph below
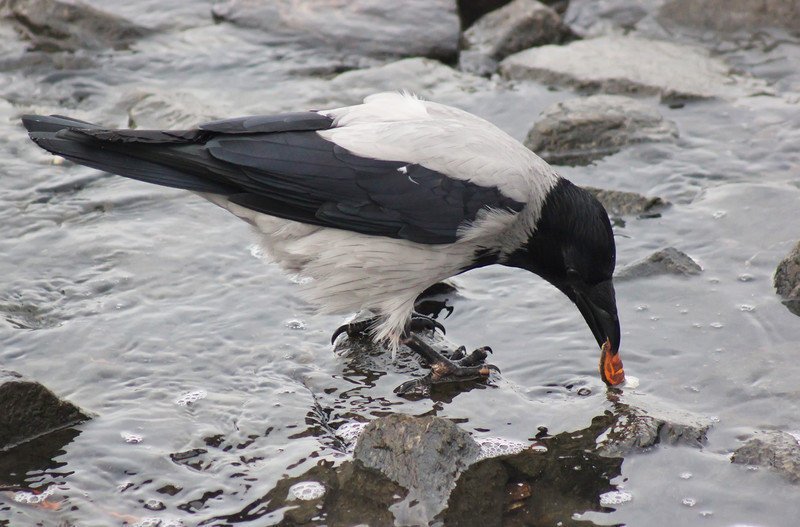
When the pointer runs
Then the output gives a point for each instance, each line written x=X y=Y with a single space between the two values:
x=341 y=329
x=424 y=323
x=422 y=384
x=458 y=354
x=353 y=329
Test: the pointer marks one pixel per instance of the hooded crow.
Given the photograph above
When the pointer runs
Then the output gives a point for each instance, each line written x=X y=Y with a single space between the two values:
x=375 y=203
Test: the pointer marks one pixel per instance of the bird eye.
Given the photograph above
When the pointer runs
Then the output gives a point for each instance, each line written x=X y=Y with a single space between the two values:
x=573 y=275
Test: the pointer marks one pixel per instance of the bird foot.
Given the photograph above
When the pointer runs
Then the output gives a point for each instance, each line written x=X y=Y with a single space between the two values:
x=458 y=367
x=360 y=328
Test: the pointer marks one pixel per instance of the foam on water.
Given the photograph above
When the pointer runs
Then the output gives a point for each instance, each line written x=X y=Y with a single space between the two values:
x=498 y=446
x=152 y=521
x=306 y=490
x=191 y=397
x=131 y=438
x=614 y=497
x=32 y=498
x=349 y=433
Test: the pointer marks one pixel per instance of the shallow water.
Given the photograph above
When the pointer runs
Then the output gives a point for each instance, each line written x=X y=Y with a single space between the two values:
x=131 y=300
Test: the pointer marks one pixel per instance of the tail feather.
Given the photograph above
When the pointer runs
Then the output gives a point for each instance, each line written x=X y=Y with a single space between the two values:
x=151 y=161
x=53 y=123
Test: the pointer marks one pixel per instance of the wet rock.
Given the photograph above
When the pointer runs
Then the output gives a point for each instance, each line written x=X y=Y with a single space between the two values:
x=602 y=17
x=30 y=410
x=631 y=65
x=777 y=450
x=787 y=280
x=579 y=131
x=641 y=424
x=733 y=15
x=562 y=476
x=620 y=203
x=666 y=261
x=371 y=28
x=422 y=454
x=516 y=26
x=428 y=78
x=53 y=25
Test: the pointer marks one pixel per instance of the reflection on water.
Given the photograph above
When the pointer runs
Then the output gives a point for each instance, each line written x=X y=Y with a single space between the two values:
x=561 y=477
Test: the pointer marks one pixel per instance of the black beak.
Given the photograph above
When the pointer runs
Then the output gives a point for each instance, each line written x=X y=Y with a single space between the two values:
x=598 y=305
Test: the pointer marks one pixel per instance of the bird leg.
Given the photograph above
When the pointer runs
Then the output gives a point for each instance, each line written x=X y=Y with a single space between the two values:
x=360 y=328
x=459 y=367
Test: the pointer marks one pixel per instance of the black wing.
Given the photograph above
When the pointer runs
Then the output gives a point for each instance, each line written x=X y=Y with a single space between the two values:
x=278 y=165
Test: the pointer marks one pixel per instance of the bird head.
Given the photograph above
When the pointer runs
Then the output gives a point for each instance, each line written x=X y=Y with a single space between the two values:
x=573 y=248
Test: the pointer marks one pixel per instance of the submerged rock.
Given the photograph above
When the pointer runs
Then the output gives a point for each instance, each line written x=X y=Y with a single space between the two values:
x=665 y=261
x=370 y=28
x=787 y=280
x=733 y=15
x=422 y=454
x=777 y=450
x=621 y=203
x=640 y=424
x=631 y=65
x=516 y=26
x=53 y=25
x=579 y=131
x=30 y=410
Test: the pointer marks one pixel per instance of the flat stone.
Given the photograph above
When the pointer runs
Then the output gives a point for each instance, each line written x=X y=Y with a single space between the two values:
x=423 y=76
x=666 y=261
x=733 y=15
x=641 y=423
x=581 y=130
x=371 y=28
x=622 y=203
x=516 y=26
x=774 y=449
x=30 y=410
x=631 y=65
x=425 y=455
x=53 y=25
x=787 y=280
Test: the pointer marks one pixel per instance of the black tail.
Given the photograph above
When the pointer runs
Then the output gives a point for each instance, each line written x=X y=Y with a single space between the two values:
x=170 y=158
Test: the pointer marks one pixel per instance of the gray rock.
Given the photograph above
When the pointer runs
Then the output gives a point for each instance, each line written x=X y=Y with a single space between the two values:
x=371 y=28
x=733 y=15
x=666 y=261
x=601 y=17
x=631 y=65
x=53 y=25
x=579 y=131
x=777 y=450
x=787 y=280
x=30 y=410
x=640 y=423
x=422 y=454
x=512 y=28
x=621 y=203
x=428 y=78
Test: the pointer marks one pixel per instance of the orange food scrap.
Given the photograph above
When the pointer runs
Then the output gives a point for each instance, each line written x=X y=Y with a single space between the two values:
x=611 y=369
